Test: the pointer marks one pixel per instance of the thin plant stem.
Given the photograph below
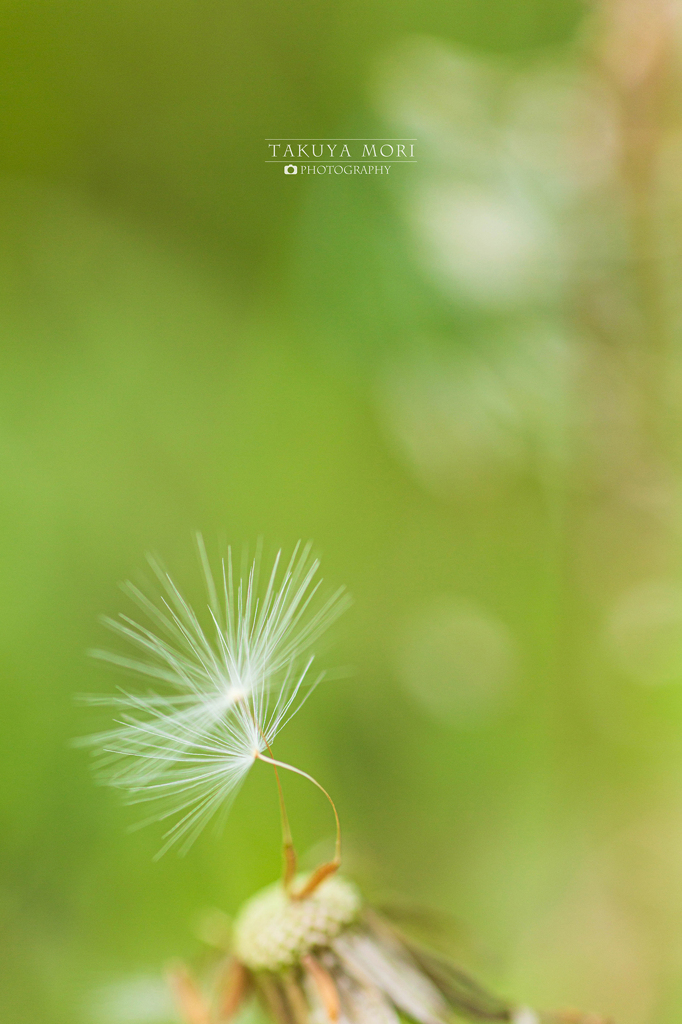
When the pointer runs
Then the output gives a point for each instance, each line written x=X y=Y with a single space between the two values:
x=288 y=849
x=329 y=868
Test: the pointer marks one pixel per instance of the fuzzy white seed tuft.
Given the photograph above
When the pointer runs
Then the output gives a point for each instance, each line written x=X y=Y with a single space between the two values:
x=227 y=689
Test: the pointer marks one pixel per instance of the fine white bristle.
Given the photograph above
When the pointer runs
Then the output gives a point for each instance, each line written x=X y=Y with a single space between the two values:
x=228 y=688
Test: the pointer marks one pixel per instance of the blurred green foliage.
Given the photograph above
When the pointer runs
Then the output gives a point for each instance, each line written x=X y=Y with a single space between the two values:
x=189 y=342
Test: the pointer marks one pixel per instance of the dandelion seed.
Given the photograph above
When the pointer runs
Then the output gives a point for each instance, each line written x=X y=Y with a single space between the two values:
x=227 y=689
x=308 y=947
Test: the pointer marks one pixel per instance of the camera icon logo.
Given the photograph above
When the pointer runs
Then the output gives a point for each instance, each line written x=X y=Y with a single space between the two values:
x=291 y=169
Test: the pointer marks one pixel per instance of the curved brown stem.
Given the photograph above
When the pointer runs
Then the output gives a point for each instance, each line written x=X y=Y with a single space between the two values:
x=324 y=870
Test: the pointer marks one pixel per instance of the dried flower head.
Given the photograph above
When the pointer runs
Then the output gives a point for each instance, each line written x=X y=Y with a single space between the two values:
x=330 y=959
x=228 y=689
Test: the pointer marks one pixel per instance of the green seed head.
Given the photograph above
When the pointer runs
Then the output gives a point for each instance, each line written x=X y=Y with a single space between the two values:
x=274 y=931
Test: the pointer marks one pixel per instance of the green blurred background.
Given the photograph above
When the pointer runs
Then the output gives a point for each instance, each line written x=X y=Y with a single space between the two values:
x=462 y=382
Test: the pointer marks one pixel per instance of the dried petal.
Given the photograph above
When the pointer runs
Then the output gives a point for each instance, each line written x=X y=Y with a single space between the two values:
x=396 y=976
x=189 y=998
x=324 y=983
x=236 y=987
